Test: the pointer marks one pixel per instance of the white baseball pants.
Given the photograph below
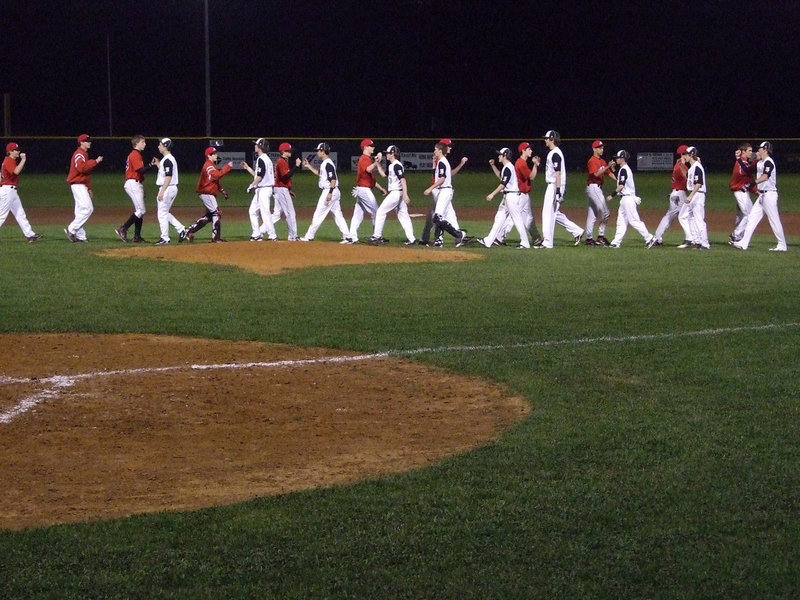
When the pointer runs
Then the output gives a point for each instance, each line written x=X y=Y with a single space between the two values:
x=284 y=204
x=394 y=201
x=83 y=210
x=165 y=217
x=10 y=202
x=509 y=208
x=743 y=207
x=135 y=190
x=598 y=209
x=322 y=210
x=766 y=204
x=365 y=204
x=629 y=215
x=259 y=205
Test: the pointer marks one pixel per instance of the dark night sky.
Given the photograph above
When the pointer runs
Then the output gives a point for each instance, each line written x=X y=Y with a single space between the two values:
x=405 y=68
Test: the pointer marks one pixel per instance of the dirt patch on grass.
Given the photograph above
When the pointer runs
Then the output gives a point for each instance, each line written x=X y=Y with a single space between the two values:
x=102 y=426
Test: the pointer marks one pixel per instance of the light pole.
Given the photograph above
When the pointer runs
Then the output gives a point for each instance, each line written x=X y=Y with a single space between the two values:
x=208 y=76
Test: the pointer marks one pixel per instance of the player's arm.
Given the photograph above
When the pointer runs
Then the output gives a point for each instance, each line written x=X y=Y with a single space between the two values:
x=434 y=185
x=247 y=168
x=21 y=165
x=494 y=168
x=404 y=185
x=460 y=164
x=495 y=191
x=331 y=176
x=768 y=167
x=163 y=188
x=310 y=167
x=376 y=164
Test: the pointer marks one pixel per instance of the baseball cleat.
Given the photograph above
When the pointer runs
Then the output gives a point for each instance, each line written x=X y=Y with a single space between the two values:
x=34 y=237
x=651 y=242
x=602 y=241
x=347 y=240
x=738 y=246
x=182 y=235
x=613 y=245
x=463 y=239
x=139 y=240
x=121 y=234
x=686 y=244
x=162 y=242
x=411 y=243
x=256 y=238
x=498 y=243
x=190 y=236
x=591 y=242
x=576 y=241
x=70 y=236
x=306 y=239
x=272 y=239
x=777 y=249
x=217 y=240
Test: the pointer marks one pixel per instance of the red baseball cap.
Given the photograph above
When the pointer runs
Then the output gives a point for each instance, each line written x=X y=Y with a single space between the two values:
x=367 y=142
x=597 y=144
x=523 y=146
x=682 y=149
x=210 y=150
x=446 y=141
x=11 y=146
x=84 y=137
x=285 y=147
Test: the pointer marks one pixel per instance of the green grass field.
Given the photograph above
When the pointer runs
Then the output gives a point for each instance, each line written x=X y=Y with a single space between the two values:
x=660 y=459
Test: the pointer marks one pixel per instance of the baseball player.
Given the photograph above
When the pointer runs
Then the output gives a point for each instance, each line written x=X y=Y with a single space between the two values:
x=167 y=182
x=628 y=201
x=134 y=187
x=451 y=215
x=526 y=173
x=397 y=198
x=329 y=195
x=742 y=181
x=598 y=169
x=208 y=186
x=80 y=182
x=555 y=175
x=13 y=164
x=263 y=183
x=443 y=189
x=283 y=190
x=510 y=206
x=767 y=201
x=677 y=199
x=695 y=216
x=365 y=181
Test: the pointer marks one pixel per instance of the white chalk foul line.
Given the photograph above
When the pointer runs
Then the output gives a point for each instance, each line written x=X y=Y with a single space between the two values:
x=57 y=383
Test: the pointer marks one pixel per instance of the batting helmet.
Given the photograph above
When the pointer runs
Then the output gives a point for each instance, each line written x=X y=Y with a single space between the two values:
x=552 y=134
x=504 y=152
x=262 y=143
x=622 y=154
x=166 y=142
x=766 y=146
x=691 y=151
x=324 y=147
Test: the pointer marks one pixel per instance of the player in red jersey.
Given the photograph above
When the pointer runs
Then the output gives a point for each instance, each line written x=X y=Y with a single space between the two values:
x=742 y=183
x=365 y=181
x=80 y=182
x=134 y=187
x=283 y=189
x=13 y=164
x=208 y=186
x=598 y=169
x=677 y=199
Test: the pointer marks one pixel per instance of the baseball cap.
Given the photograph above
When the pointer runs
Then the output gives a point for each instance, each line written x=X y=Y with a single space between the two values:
x=523 y=146
x=681 y=149
x=11 y=146
x=622 y=154
x=552 y=133
x=366 y=142
x=285 y=147
x=504 y=152
x=690 y=150
x=597 y=144
x=766 y=145
x=261 y=143
x=84 y=137
x=166 y=142
x=393 y=150
x=211 y=150
x=446 y=141
x=323 y=147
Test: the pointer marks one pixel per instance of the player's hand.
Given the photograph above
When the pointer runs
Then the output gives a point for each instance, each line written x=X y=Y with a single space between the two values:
x=537 y=161
x=379 y=157
x=298 y=162
x=154 y=162
x=427 y=192
x=464 y=160
x=291 y=193
x=243 y=165
x=22 y=156
x=406 y=199
x=491 y=161
x=160 y=196
x=489 y=198
x=737 y=154
x=249 y=188
x=230 y=164
x=305 y=163
x=99 y=159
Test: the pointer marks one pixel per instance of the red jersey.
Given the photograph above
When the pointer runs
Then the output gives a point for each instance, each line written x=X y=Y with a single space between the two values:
x=364 y=178
x=7 y=175
x=523 y=175
x=209 y=178
x=592 y=166
x=742 y=176
x=80 y=168
x=134 y=166
x=679 y=172
x=283 y=176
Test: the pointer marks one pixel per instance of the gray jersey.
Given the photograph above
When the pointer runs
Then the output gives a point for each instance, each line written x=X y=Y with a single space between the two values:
x=167 y=167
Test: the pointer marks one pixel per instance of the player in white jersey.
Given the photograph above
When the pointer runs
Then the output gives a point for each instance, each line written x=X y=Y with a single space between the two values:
x=767 y=202
x=510 y=206
x=555 y=175
x=397 y=198
x=444 y=184
x=329 y=196
x=167 y=182
x=628 y=201
x=263 y=183
x=696 y=201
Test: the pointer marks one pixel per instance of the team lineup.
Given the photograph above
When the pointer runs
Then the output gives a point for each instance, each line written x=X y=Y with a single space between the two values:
x=515 y=211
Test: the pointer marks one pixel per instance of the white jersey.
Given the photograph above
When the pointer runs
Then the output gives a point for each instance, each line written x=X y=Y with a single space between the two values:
x=395 y=173
x=442 y=169
x=696 y=175
x=625 y=179
x=327 y=173
x=265 y=170
x=508 y=176
x=555 y=164
x=767 y=166
x=167 y=167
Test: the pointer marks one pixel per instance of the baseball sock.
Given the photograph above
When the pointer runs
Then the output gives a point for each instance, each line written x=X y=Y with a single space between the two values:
x=138 y=227
x=131 y=220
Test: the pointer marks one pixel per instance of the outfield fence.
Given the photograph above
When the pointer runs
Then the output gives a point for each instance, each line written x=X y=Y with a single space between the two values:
x=52 y=154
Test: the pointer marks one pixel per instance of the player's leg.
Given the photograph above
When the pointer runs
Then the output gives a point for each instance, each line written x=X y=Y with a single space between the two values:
x=405 y=221
x=753 y=219
x=513 y=207
x=549 y=216
x=635 y=221
x=744 y=205
x=770 y=206
x=285 y=204
x=15 y=206
x=83 y=210
x=264 y=195
x=319 y=216
x=389 y=203
x=699 y=216
x=338 y=217
x=498 y=225
x=425 y=238
x=254 y=212
x=575 y=230
x=622 y=223
x=5 y=203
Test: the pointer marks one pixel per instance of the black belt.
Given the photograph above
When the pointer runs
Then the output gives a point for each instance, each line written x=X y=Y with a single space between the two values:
x=766 y=191
x=441 y=187
x=511 y=192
